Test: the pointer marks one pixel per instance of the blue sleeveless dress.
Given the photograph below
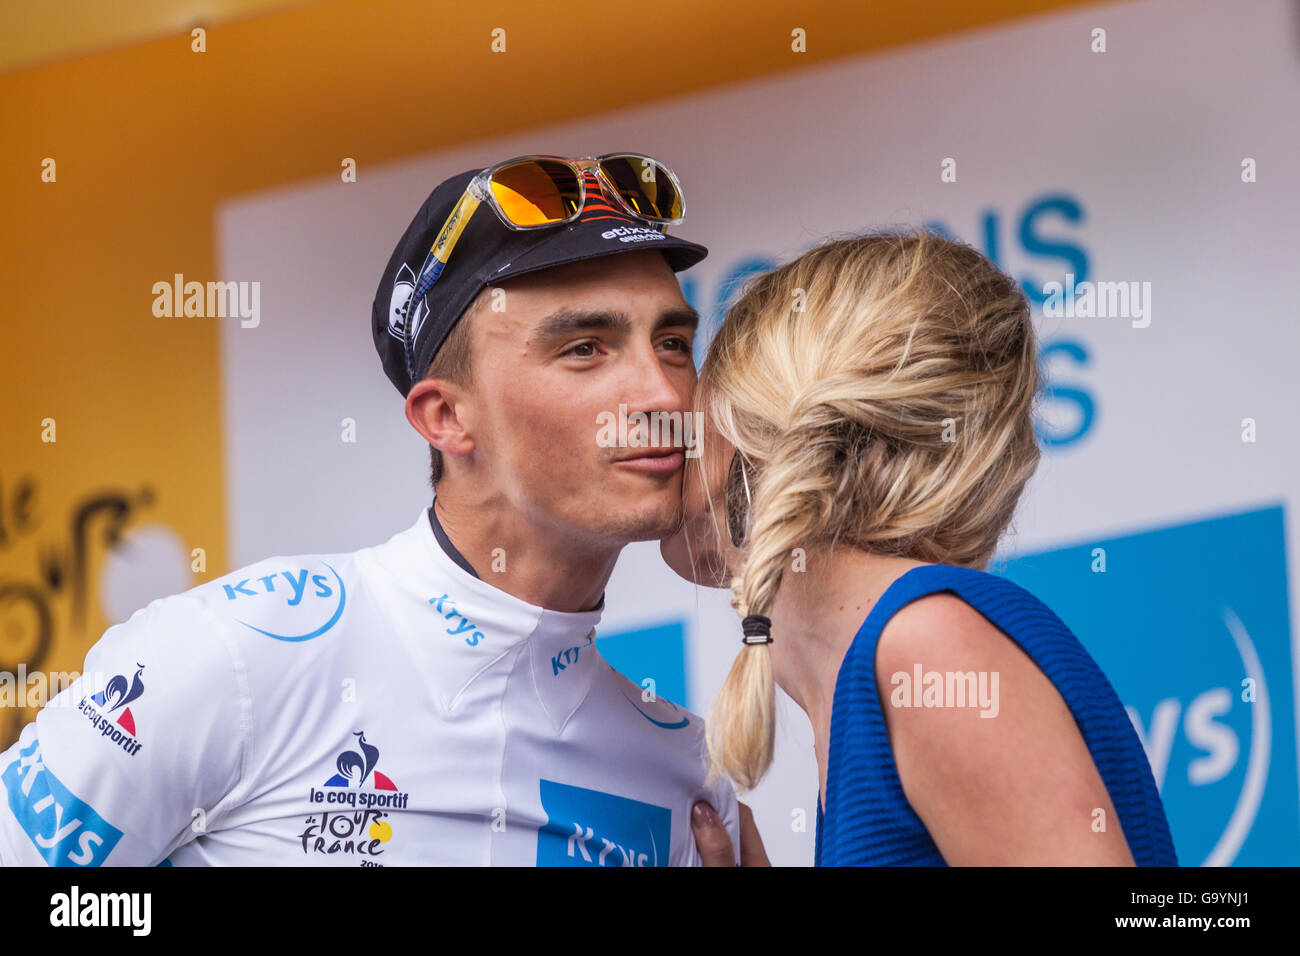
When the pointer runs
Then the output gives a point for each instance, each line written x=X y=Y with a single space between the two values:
x=868 y=821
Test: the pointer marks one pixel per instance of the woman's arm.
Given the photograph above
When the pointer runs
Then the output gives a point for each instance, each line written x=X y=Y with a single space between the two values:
x=1015 y=788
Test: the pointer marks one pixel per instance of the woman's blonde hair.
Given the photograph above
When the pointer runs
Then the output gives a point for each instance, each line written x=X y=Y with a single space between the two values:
x=879 y=391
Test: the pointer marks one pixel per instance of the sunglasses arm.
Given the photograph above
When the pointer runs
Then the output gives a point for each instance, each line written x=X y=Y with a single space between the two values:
x=454 y=226
x=442 y=246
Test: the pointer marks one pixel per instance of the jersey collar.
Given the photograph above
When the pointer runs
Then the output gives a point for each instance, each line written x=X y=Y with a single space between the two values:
x=444 y=542
x=468 y=630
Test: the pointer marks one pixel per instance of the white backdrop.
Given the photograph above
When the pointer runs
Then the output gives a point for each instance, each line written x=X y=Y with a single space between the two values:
x=1130 y=159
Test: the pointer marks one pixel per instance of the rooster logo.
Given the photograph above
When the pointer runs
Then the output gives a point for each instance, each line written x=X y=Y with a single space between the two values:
x=355 y=766
x=117 y=695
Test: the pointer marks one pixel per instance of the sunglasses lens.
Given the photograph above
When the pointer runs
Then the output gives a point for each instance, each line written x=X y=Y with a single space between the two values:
x=645 y=185
x=536 y=192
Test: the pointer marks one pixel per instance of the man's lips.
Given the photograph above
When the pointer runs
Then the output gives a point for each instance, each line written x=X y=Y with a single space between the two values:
x=655 y=461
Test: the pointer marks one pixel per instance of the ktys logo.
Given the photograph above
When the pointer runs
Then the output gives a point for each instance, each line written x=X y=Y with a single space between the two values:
x=672 y=722
x=1191 y=626
x=368 y=795
x=570 y=655
x=102 y=710
x=65 y=830
x=1221 y=738
x=593 y=828
x=445 y=606
x=296 y=604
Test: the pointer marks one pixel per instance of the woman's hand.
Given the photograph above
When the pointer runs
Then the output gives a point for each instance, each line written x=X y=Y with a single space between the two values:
x=714 y=843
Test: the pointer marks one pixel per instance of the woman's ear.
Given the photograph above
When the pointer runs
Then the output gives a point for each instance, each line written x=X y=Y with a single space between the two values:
x=738 y=500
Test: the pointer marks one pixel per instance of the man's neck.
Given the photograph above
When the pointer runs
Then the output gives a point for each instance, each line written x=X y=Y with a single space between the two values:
x=535 y=564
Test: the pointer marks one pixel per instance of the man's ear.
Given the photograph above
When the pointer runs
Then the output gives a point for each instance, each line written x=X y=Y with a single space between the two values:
x=435 y=408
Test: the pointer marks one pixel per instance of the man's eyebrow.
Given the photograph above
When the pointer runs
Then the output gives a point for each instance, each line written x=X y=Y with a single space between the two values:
x=566 y=322
x=682 y=315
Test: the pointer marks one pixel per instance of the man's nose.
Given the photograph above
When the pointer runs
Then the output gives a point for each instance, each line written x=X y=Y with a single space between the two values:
x=651 y=387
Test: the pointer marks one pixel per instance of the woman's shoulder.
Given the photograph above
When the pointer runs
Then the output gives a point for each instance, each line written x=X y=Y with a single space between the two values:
x=950 y=593
x=956 y=642
x=975 y=585
x=962 y=614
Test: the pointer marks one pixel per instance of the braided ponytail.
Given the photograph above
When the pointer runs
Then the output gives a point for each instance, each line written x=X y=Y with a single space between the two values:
x=884 y=384
x=792 y=505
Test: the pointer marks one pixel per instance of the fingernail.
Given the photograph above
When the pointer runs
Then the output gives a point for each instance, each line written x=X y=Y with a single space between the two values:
x=703 y=814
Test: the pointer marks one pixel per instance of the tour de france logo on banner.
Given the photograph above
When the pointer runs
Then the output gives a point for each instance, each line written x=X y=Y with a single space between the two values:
x=1190 y=623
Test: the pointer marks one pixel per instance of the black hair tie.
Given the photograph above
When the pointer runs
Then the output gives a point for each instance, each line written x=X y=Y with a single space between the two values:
x=757 y=628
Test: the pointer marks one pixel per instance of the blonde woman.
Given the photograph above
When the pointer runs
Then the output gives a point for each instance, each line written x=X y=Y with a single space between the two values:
x=868 y=414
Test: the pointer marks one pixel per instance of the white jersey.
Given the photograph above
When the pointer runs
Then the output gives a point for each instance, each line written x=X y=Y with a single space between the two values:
x=381 y=707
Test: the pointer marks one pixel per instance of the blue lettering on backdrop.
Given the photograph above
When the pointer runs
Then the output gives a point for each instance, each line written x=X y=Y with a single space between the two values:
x=1035 y=241
x=1033 y=244
x=1058 y=393
x=1190 y=625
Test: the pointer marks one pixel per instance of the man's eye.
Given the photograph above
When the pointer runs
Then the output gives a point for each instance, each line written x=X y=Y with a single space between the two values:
x=682 y=344
x=582 y=345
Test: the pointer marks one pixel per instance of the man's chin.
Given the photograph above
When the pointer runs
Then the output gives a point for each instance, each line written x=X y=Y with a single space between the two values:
x=654 y=529
x=652 y=523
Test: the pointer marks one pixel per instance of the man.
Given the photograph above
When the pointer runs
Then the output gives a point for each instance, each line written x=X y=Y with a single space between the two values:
x=435 y=699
